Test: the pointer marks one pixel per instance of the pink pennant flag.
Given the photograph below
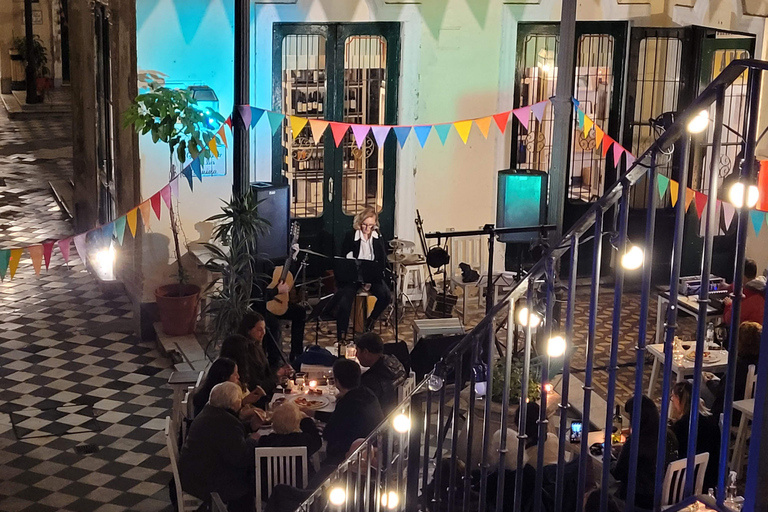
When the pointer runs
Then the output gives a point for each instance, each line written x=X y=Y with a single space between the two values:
x=361 y=132
x=36 y=254
x=538 y=109
x=165 y=193
x=155 y=202
x=318 y=127
x=618 y=149
x=80 y=247
x=47 y=252
x=174 y=184
x=339 y=131
x=380 y=133
x=64 y=248
x=523 y=114
x=630 y=159
x=728 y=211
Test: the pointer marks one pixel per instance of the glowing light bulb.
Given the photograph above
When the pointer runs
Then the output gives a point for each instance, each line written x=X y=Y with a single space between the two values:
x=556 y=346
x=736 y=195
x=337 y=496
x=633 y=258
x=481 y=388
x=390 y=500
x=523 y=316
x=699 y=123
x=435 y=382
x=401 y=423
x=548 y=387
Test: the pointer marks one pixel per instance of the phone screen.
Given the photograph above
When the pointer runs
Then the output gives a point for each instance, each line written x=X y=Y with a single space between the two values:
x=575 y=431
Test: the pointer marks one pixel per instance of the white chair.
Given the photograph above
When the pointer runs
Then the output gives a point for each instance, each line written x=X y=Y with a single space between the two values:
x=187 y=412
x=740 y=445
x=184 y=501
x=281 y=466
x=407 y=388
x=674 y=479
x=749 y=389
x=473 y=251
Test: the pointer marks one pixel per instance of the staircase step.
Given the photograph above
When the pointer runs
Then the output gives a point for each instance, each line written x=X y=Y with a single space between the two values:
x=598 y=407
x=64 y=193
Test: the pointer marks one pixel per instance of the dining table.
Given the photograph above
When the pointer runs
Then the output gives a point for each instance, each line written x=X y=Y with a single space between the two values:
x=326 y=396
x=682 y=365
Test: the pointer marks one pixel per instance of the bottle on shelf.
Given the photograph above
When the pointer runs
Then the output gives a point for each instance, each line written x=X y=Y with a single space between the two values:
x=618 y=423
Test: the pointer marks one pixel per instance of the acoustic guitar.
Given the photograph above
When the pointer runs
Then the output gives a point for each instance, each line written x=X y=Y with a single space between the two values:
x=279 y=305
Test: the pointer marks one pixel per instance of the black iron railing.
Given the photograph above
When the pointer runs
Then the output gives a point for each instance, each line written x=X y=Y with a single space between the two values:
x=437 y=450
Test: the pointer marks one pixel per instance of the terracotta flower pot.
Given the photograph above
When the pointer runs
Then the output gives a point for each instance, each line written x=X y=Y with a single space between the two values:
x=178 y=308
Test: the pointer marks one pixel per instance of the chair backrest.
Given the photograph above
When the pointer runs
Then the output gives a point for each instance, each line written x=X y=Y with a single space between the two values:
x=217 y=505
x=407 y=388
x=281 y=466
x=315 y=371
x=472 y=250
x=173 y=453
x=749 y=389
x=674 y=479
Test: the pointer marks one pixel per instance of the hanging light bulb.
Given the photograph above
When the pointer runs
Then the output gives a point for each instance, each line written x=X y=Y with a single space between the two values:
x=556 y=346
x=633 y=258
x=481 y=379
x=390 y=500
x=337 y=496
x=736 y=195
x=522 y=318
x=401 y=423
x=435 y=382
x=699 y=123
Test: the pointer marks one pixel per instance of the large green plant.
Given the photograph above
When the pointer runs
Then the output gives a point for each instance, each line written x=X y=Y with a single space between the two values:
x=515 y=381
x=236 y=230
x=173 y=117
x=39 y=52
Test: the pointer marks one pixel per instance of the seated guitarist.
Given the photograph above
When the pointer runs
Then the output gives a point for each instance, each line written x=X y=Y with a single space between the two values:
x=260 y=295
x=365 y=245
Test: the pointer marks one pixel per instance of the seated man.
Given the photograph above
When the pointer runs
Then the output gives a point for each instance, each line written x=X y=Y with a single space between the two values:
x=356 y=415
x=217 y=456
x=385 y=373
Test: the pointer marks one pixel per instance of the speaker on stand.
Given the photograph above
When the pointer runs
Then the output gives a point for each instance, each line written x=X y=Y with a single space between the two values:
x=274 y=207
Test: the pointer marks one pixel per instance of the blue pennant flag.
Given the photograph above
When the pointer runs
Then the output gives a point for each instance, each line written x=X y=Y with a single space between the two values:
x=757 y=220
x=107 y=231
x=402 y=132
x=422 y=132
x=187 y=172
x=256 y=114
x=576 y=102
x=442 y=131
x=197 y=168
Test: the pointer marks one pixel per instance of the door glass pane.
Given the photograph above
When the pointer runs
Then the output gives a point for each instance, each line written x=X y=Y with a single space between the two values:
x=658 y=88
x=365 y=79
x=304 y=95
x=733 y=117
x=593 y=87
x=534 y=146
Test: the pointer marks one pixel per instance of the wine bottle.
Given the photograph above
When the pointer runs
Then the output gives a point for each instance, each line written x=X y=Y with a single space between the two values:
x=618 y=422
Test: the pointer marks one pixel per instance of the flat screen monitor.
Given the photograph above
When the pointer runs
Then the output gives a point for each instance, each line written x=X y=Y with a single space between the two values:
x=521 y=202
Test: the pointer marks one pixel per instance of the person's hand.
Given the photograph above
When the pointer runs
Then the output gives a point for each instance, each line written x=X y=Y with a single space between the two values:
x=284 y=371
x=727 y=301
x=283 y=288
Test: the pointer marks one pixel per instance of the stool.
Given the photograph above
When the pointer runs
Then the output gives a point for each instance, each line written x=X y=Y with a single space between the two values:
x=436 y=327
x=411 y=284
x=364 y=303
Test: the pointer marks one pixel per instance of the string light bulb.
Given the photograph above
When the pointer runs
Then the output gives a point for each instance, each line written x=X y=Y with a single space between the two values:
x=401 y=423
x=736 y=195
x=633 y=258
x=523 y=317
x=390 y=500
x=337 y=496
x=699 y=123
x=556 y=346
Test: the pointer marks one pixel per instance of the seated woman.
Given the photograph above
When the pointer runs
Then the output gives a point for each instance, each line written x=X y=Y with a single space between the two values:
x=708 y=437
x=223 y=369
x=292 y=428
x=251 y=360
x=748 y=353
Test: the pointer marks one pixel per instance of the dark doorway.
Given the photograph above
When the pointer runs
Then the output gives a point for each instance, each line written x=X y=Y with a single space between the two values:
x=104 y=115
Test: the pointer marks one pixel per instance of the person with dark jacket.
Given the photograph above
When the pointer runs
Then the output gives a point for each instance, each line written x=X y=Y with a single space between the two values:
x=357 y=412
x=385 y=373
x=217 y=456
x=365 y=245
x=708 y=437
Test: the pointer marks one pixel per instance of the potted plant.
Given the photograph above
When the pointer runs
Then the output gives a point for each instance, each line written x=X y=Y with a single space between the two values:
x=18 y=52
x=236 y=230
x=172 y=116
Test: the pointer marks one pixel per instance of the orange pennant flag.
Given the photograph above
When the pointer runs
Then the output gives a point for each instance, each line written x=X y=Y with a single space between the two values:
x=223 y=136
x=599 y=137
x=36 y=253
x=674 y=188
x=318 y=127
x=131 y=219
x=501 y=120
x=484 y=123
x=463 y=127
x=15 y=259
x=212 y=146
x=689 y=195
x=146 y=214
x=297 y=124
x=588 y=123
x=607 y=142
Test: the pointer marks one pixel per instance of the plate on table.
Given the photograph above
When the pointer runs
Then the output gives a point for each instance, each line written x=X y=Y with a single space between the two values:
x=709 y=356
x=312 y=402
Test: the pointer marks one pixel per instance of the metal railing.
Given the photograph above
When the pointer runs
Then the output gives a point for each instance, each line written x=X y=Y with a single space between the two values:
x=437 y=452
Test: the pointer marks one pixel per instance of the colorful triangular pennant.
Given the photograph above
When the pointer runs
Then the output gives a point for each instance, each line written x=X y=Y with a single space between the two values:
x=443 y=130
x=360 y=131
x=165 y=193
x=663 y=183
x=484 y=124
x=107 y=230
x=36 y=255
x=580 y=118
x=674 y=190
x=618 y=150
x=174 y=183
x=689 y=196
x=245 y=114
x=607 y=142
x=120 y=229
x=275 y=120
x=728 y=211
x=15 y=260
x=599 y=134
x=187 y=173
x=297 y=124
x=130 y=218
x=155 y=202
x=80 y=247
x=197 y=169
x=339 y=130
x=630 y=159
x=501 y=120
x=47 y=252
x=213 y=147
x=422 y=133
x=145 y=210
x=538 y=110
x=380 y=133
x=701 y=202
x=462 y=128
x=756 y=216
x=402 y=132
x=5 y=258
x=64 y=248
x=588 y=124
x=223 y=135
x=318 y=127
x=256 y=114
x=523 y=114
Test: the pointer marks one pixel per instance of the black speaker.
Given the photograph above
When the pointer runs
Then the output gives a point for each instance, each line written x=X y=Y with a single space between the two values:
x=274 y=207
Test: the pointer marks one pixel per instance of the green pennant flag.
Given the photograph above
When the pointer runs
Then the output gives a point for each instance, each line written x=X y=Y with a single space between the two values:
x=442 y=131
x=120 y=229
x=757 y=220
x=5 y=257
x=275 y=120
x=663 y=183
x=580 y=118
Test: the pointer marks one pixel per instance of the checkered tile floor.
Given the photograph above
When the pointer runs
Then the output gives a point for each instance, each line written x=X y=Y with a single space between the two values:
x=82 y=400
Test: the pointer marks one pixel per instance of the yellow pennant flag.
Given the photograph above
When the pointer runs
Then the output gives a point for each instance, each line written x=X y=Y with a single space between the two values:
x=213 y=148
x=689 y=195
x=463 y=127
x=131 y=219
x=15 y=259
x=146 y=216
x=484 y=123
x=36 y=253
x=674 y=188
x=223 y=136
x=598 y=136
x=588 y=123
x=297 y=124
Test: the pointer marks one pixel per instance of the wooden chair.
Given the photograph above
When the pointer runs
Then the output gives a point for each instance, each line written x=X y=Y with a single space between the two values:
x=281 y=466
x=674 y=479
x=473 y=251
x=184 y=501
